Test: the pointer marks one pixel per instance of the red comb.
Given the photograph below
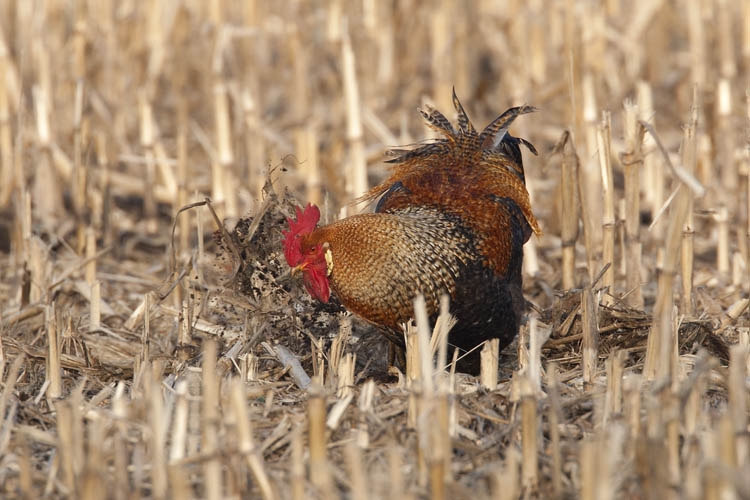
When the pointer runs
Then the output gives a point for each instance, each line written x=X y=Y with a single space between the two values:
x=305 y=223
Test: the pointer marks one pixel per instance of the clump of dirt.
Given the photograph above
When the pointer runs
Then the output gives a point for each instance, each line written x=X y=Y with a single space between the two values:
x=622 y=328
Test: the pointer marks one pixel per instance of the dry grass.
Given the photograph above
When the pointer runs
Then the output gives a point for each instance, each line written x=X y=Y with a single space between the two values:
x=142 y=360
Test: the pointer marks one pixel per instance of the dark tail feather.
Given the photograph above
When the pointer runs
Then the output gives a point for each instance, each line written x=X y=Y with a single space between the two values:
x=494 y=134
x=464 y=124
x=511 y=147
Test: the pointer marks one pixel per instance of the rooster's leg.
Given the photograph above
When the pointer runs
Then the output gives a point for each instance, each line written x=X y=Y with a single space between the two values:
x=396 y=357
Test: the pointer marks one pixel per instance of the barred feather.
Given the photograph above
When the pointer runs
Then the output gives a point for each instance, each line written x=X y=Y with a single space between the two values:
x=464 y=125
x=438 y=122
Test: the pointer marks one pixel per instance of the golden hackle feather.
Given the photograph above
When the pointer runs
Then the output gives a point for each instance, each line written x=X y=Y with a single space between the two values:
x=380 y=261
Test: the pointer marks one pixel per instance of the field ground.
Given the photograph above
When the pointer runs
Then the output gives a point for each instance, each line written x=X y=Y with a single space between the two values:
x=142 y=358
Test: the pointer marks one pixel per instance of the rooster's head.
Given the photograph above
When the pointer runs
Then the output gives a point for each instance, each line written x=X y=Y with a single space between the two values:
x=305 y=257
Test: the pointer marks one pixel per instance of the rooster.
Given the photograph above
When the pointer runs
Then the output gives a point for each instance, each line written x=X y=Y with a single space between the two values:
x=452 y=218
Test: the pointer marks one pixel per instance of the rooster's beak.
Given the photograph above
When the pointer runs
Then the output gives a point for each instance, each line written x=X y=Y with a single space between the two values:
x=298 y=269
